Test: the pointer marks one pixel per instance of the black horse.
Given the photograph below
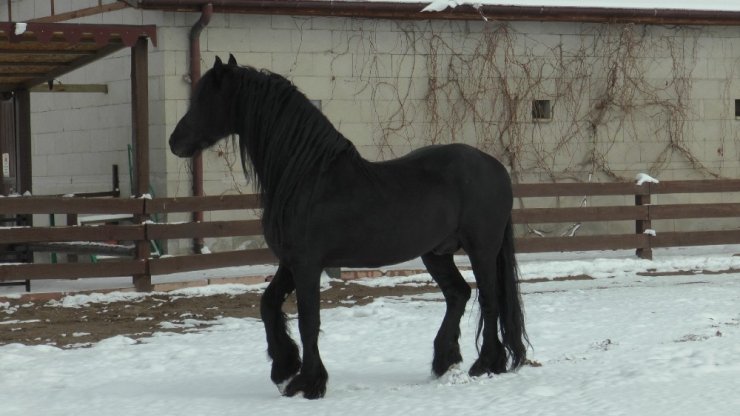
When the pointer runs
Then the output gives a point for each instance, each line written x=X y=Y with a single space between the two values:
x=325 y=206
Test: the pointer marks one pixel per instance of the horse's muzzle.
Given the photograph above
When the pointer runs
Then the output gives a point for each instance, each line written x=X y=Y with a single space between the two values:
x=181 y=142
x=179 y=149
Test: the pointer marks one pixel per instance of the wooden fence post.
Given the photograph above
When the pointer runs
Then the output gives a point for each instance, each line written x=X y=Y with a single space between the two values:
x=72 y=220
x=642 y=225
x=140 y=122
x=143 y=282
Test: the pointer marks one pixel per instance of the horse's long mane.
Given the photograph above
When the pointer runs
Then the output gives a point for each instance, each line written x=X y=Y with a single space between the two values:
x=287 y=140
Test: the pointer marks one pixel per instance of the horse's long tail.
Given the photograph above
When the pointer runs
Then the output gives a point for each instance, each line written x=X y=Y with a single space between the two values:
x=511 y=315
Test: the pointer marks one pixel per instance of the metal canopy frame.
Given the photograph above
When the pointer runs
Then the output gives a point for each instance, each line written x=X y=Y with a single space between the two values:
x=34 y=53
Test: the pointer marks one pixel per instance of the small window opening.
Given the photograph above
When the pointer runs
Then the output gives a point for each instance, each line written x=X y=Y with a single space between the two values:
x=541 y=110
x=737 y=109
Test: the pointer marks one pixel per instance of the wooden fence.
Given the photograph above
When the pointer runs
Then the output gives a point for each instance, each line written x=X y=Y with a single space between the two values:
x=140 y=231
x=642 y=212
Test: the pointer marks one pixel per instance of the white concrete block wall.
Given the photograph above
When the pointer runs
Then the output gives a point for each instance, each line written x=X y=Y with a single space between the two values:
x=87 y=132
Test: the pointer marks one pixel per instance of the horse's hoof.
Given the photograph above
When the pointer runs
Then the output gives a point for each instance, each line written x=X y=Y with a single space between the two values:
x=282 y=386
x=285 y=369
x=480 y=368
x=444 y=362
x=311 y=389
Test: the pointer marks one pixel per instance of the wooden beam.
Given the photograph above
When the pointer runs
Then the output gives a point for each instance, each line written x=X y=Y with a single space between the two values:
x=140 y=115
x=695 y=186
x=684 y=211
x=44 y=52
x=76 y=14
x=581 y=243
x=578 y=214
x=73 y=233
x=71 y=270
x=644 y=224
x=140 y=124
x=203 y=203
x=538 y=190
x=57 y=205
x=695 y=238
x=78 y=63
x=177 y=264
x=24 y=147
x=83 y=247
x=204 y=229
x=76 y=88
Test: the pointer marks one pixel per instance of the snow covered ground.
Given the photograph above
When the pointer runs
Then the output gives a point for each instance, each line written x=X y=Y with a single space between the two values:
x=620 y=344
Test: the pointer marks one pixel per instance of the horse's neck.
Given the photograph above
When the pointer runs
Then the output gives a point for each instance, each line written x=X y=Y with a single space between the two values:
x=289 y=150
x=308 y=161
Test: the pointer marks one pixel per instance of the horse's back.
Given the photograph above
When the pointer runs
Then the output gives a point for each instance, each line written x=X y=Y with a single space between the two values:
x=479 y=183
x=455 y=174
x=466 y=167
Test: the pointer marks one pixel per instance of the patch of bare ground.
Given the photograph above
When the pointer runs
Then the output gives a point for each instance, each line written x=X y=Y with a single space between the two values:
x=39 y=322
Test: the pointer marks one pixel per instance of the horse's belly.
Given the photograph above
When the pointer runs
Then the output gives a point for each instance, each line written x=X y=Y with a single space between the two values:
x=360 y=246
x=448 y=246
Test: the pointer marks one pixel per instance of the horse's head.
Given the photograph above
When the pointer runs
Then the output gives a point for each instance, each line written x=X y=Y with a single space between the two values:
x=209 y=117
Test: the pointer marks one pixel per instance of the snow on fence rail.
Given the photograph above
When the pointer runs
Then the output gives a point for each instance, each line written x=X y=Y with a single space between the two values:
x=141 y=265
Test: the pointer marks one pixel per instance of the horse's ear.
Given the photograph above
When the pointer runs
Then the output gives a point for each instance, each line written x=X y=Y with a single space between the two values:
x=232 y=60
x=218 y=71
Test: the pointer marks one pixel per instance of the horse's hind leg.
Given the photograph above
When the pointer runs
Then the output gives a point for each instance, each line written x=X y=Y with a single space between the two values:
x=313 y=376
x=280 y=347
x=492 y=355
x=456 y=292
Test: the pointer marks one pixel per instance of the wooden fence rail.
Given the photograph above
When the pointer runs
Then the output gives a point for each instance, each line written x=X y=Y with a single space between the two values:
x=642 y=213
x=142 y=265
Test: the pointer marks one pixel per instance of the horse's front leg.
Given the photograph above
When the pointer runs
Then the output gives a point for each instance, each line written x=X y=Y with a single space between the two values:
x=281 y=348
x=313 y=376
x=456 y=292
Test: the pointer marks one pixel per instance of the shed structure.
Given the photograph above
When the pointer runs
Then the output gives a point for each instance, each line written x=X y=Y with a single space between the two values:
x=32 y=54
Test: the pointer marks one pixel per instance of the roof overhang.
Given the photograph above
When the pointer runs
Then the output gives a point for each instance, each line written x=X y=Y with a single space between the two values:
x=413 y=11
x=34 y=53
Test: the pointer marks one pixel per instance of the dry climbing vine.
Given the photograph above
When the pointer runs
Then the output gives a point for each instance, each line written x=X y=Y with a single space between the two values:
x=605 y=84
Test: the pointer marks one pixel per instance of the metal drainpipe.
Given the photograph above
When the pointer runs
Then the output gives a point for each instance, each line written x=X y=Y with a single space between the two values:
x=197 y=160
